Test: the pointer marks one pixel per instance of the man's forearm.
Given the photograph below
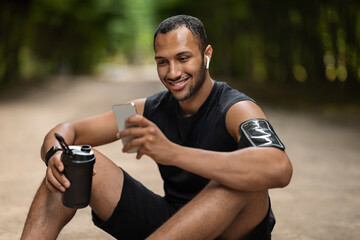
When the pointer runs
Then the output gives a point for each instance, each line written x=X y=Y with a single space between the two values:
x=250 y=169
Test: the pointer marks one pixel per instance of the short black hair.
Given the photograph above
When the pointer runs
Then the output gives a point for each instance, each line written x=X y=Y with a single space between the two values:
x=195 y=26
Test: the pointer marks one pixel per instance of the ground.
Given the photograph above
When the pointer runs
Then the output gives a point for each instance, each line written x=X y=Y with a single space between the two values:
x=321 y=202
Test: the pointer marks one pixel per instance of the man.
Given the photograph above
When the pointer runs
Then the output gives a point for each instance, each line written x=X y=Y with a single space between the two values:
x=198 y=132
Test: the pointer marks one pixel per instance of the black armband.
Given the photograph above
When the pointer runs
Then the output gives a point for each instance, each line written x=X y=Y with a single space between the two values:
x=50 y=153
x=258 y=133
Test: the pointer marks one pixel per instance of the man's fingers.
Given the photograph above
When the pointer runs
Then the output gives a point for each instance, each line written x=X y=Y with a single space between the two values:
x=50 y=186
x=139 y=155
x=137 y=131
x=136 y=142
x=54 y=175
x=57 y=168
x=57 y=163
x=138 y=119
x=52 y=183
x=132 y=131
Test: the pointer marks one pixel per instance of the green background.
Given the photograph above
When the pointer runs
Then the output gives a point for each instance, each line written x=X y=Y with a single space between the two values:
x=303 y=44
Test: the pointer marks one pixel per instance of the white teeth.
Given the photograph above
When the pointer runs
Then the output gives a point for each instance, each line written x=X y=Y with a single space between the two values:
x=177 y=84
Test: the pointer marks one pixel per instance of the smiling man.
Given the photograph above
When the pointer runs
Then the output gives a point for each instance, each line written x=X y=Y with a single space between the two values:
x=216 y=152
x=186 y=78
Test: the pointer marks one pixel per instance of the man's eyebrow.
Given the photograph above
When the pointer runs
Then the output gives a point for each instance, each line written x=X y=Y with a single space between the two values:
x=178 y=54
x=183 y=52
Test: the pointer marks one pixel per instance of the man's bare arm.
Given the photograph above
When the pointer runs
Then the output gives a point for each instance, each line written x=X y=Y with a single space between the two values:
x=249 y=169
x=95 y=131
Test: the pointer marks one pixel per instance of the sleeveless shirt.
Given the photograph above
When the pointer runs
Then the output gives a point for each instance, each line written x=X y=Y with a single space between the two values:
x=206 y=129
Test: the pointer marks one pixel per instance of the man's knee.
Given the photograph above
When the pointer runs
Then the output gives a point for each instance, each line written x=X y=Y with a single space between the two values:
x=239 y=200
x=106 y=186
x=241 y=205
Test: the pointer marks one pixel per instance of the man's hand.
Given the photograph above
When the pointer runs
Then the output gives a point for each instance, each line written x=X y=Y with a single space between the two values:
x=150 y=139
x=55 y=179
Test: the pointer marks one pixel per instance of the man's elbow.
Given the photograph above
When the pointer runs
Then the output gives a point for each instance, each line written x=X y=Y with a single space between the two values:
x=285 y=172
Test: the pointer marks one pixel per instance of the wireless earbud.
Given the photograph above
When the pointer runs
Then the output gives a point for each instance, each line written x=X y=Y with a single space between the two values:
x=207 y=62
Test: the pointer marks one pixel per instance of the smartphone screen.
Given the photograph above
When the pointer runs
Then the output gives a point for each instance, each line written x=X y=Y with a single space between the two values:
x=121 y=113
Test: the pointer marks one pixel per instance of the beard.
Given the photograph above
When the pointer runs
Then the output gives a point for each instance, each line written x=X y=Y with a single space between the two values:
x=199 y=78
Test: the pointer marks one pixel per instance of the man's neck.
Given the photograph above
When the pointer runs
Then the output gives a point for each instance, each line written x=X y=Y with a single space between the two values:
x=191 y=106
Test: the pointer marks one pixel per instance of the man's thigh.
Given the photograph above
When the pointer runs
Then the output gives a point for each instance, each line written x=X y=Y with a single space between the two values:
x=124 y=207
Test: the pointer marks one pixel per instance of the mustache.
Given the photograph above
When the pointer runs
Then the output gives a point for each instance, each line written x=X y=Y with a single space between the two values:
x=182 y=77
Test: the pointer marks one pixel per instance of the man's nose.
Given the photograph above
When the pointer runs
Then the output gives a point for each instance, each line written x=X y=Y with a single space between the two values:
x=174 y=72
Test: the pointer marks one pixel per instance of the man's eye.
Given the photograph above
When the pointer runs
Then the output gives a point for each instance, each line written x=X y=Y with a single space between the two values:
x=183 y=59
x=161 y=62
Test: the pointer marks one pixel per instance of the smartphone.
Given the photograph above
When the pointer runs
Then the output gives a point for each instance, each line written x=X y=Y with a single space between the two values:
x=121 y=113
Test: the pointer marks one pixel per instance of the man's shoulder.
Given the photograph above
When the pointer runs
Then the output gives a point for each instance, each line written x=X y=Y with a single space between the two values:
x=157 y=101
x=158 y=98
x=229 y=92
x=227 y=96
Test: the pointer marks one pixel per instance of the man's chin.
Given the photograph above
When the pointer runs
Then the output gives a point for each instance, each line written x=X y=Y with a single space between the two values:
x=180 y=97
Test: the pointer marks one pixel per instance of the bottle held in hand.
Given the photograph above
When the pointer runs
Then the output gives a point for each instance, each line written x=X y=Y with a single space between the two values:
x=78 y=168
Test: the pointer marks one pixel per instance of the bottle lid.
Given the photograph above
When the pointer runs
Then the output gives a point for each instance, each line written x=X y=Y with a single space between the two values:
x=82 y=154
x=86 y=148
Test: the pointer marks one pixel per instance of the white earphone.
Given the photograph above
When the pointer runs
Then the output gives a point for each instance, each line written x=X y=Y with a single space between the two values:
x=207 y=62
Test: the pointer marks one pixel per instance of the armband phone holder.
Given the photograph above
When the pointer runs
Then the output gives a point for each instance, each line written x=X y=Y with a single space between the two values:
x=258 y=133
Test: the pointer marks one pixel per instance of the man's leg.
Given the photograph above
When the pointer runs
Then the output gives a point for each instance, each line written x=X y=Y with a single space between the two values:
x=216 y=211
x=47 y=215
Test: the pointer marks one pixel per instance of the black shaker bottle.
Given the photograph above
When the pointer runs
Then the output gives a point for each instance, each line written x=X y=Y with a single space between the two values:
x=78 y=168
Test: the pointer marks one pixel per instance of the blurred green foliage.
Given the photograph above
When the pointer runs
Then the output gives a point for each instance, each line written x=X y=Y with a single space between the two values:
x=311 y=42
x=39 y=37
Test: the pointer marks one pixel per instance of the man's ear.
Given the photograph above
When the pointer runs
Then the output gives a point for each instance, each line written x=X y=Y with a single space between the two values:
x=208 y=54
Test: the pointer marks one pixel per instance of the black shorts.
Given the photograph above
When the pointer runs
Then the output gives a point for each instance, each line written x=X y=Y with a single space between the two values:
x=140 y=212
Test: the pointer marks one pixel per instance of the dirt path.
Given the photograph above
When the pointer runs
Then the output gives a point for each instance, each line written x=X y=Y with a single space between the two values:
x=322 y=201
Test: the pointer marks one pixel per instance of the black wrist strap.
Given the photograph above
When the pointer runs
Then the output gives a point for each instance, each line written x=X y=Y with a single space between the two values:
x=50 y=153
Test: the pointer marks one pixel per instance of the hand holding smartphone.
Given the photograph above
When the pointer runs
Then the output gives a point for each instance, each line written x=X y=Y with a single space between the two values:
x=121 y=113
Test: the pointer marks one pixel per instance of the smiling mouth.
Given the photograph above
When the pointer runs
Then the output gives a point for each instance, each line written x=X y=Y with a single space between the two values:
x=178 y=83
x=182 y=80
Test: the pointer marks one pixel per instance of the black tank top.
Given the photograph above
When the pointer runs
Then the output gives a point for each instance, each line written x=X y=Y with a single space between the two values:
x=205 y=129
